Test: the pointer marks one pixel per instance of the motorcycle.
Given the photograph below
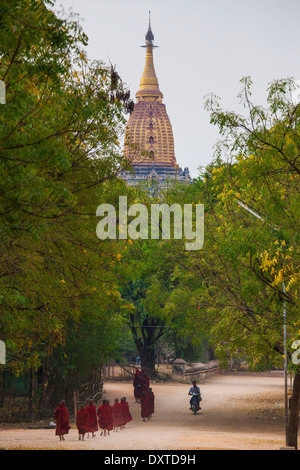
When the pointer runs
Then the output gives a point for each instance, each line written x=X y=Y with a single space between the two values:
x=194 y=404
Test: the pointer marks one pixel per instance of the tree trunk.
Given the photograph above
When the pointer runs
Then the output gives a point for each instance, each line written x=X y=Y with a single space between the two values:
x=294 y=413
x=43 y=385
x=31 y=394
x=145 y=341
x=147 y=355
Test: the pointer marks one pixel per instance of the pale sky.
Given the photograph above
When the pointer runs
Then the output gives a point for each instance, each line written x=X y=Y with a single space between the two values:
x=204 y=47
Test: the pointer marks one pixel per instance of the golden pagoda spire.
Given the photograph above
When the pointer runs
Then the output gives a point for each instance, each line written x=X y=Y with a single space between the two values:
x=149 y=88
x=149 y=135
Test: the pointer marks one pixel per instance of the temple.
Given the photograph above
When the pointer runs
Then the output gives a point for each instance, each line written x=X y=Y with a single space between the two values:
x=149 y=141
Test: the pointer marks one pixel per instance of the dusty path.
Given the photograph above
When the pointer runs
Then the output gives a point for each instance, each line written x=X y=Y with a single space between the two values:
x=238 y=412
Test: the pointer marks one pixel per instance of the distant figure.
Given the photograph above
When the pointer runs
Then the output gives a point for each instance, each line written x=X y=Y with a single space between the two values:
x=105 y=417
x=137 y=384
x=125 y=415
x=116 y=412
x=196 y=395
x=82 y=422
x=92 y=418
x=61 y=415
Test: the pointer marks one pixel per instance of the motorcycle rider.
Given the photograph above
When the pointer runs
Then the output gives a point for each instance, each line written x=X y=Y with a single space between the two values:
x=195 y=392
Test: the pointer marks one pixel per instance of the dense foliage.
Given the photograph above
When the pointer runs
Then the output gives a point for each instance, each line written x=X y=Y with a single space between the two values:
x=60 y=154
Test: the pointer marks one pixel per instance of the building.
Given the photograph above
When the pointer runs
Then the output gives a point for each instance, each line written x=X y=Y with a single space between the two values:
x=149 y=141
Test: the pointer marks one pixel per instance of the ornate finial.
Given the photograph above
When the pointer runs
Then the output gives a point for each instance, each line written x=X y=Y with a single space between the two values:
x=149 y=83
x=149 y=36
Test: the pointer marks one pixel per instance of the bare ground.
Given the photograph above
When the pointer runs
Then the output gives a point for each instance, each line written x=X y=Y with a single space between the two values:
x=239 y=411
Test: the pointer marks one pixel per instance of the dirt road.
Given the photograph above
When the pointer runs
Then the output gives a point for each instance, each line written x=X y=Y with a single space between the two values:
x=238 y=412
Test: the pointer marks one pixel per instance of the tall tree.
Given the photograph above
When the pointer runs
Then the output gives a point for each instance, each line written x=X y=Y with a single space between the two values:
x=263 y=176
x=248 y=270
x=145 y=294
x=59 y=153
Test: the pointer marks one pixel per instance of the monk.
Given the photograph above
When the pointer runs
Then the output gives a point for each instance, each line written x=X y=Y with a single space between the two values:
x=125 y=415
x=82 y=422
x=61 y=415
x=116 y=412
x=92 y=418
x=105 y=417
x=145 y=381
x=146 y=406
x=151 y=402
x=137 y=384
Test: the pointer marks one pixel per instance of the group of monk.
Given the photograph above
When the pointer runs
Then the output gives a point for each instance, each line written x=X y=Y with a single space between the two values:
x=143 y=394
x=107 y=417
x=110 y=418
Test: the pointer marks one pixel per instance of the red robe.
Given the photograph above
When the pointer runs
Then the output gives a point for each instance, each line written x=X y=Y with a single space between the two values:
x=116 y=412
x=145 y=382
x=151 y=402
x=92 y=424
x=125 y=413
x=82 y=421
x=146 y=405
x=61 y=415
x=105 y=417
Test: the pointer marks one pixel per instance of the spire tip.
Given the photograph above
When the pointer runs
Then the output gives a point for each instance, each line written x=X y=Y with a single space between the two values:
x=149 y=36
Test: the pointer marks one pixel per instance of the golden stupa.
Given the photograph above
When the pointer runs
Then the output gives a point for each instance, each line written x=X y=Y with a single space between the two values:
x=149 y=136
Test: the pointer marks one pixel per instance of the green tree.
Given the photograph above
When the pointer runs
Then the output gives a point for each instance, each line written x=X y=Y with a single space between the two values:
x=239 y=291
x=145 y=293
x=153 y=305
x=59 y=154
x=264 y=176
